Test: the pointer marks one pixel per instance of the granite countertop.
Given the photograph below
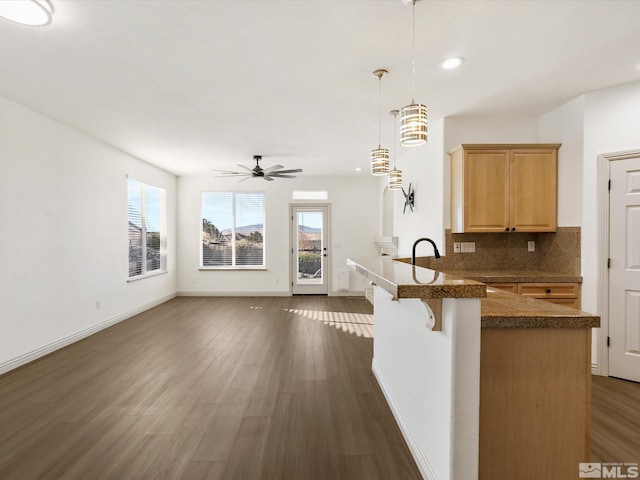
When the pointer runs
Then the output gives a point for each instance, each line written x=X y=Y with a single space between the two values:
x=499 y=309
x=509 y=310
x=404 y=280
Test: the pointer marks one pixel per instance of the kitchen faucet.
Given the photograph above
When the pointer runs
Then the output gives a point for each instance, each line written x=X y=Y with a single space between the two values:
x=415 y=244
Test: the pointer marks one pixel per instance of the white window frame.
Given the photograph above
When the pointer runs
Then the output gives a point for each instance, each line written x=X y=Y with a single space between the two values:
x=234 y=266
x=162 y=268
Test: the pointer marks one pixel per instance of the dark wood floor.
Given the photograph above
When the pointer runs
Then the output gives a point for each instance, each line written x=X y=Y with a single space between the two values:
x=208 y=388
x=232 y=388
x=615 y=420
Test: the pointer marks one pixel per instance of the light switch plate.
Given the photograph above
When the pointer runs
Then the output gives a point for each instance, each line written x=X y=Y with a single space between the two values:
x=456 y=247
x=531 y=246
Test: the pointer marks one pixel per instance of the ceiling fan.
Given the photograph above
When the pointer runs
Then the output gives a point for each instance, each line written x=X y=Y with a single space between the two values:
x=267 y=173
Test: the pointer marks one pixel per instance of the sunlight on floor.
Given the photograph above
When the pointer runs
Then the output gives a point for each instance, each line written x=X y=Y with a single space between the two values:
x=360 y=324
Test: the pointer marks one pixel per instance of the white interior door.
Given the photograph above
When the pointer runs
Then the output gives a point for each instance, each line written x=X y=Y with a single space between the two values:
x=309 y=252
x=624 y=272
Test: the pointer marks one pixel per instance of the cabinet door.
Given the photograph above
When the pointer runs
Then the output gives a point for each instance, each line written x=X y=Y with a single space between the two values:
x=533 y=190
x=486 y=190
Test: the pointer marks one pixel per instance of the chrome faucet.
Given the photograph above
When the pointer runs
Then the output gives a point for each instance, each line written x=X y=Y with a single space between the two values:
x=415 y=244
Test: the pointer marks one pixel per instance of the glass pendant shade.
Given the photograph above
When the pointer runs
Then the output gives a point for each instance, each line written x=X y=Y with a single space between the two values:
x=379 y=161
x=413 y=125
x=395 y=179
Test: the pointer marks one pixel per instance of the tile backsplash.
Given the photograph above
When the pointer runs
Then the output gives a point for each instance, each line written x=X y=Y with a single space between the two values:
x=556 y=252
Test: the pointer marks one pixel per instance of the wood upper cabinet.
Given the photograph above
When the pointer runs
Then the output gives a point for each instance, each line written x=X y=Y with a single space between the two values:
x=504 y=187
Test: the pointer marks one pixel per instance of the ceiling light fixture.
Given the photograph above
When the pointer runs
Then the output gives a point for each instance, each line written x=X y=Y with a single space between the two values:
x=36 y=13
x=413 y=117
x=379 y=156
x=395 y=175
x=451 y=63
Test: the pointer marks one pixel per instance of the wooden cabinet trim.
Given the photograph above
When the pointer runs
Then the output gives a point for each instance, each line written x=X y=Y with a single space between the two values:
x=505 y=146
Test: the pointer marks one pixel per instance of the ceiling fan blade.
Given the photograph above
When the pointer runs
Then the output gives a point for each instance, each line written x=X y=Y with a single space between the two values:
x=293 y=170
x=272 y=169
x=236 y=175
x=246 y=177
x=268 y=178
x=245 y=167
x=230 y=172
x=279 y=175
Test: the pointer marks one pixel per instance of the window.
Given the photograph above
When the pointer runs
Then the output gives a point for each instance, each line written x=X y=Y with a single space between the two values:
x=232 y=230
x=147 y=207
x=310 y=195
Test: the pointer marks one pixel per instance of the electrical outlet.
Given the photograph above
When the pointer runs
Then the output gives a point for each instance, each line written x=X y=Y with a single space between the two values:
x=531 y=246
x=98 y=305
x=277 y=279
x=467 y=247
x=456 y=247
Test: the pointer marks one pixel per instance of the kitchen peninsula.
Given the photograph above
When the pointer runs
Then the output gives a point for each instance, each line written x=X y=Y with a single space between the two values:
x=499 y=389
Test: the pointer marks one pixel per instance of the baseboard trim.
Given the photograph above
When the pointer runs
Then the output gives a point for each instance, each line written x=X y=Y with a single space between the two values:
x=347 y=293
x=418 y=455
x=195 y=293
x=63 y=342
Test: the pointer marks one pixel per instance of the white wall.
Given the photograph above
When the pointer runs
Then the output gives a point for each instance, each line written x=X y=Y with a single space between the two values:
x=611 y=119
x=64 y=244
x=565 y=125
x=355 y=221
x=489 y=130
x=422 y=167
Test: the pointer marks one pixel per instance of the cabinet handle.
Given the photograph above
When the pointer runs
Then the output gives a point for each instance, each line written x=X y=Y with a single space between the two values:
x=513 y=229
x=548 y=290
x=506 y=229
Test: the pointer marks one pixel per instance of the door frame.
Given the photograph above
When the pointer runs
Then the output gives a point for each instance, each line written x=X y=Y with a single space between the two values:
x=292 y=246
x=602 y=367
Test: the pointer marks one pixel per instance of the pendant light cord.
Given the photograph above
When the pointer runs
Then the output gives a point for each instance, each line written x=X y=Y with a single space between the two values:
x=413 y=53
x=379 y=100
x=395 y=154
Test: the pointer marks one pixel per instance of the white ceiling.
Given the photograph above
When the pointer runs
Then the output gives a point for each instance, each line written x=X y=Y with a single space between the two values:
x=195 y=85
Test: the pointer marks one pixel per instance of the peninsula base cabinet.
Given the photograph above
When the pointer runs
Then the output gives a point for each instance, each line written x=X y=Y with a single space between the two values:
x=504 y=188
x=535 y=396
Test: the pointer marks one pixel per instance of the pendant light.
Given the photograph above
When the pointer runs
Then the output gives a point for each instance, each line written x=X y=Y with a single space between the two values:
x=379 y=156
x=395 y=175
x=413 y=117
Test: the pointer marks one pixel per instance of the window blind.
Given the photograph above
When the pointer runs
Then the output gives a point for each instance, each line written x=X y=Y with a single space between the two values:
x=147 y=211
x=232 y=229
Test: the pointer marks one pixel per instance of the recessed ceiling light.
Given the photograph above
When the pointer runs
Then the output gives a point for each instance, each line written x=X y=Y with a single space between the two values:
x=451 y=62
x=36 y=13
x=358 y=169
